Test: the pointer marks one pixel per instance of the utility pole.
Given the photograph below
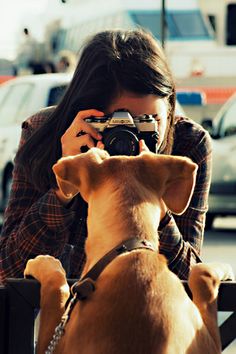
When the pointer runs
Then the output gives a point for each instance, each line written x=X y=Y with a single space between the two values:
x=163 y=24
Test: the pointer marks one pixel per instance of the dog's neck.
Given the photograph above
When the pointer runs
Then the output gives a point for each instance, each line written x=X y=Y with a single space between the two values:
x=115 y=217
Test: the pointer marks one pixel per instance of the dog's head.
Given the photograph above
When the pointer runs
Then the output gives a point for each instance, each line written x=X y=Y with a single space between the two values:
x=171 y=178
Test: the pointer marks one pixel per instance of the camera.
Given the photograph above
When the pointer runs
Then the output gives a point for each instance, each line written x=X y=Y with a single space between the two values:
x=121 y=132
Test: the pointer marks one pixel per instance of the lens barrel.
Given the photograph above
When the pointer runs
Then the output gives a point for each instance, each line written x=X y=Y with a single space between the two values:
x=120 y=140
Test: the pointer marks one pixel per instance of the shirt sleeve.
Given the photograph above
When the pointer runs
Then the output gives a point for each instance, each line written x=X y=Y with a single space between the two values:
x=181 y=239
x=34 y=223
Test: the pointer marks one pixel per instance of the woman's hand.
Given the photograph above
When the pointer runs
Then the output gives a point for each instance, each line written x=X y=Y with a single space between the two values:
x=81 y=133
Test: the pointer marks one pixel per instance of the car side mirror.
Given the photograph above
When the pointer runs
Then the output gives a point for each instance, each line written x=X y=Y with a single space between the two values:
x=208 y=125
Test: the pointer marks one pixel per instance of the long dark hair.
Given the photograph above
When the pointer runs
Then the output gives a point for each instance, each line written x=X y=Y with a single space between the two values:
x=110 y=62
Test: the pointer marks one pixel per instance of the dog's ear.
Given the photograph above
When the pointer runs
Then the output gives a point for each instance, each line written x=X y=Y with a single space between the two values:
x=172 y=177
x=62 y=173
x=75 y=174
x=180 y=184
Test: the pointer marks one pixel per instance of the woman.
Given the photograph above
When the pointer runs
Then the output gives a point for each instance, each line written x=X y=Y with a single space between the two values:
x=117 y=70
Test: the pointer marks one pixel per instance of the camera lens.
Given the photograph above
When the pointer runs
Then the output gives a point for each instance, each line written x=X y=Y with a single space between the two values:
x=121 y=141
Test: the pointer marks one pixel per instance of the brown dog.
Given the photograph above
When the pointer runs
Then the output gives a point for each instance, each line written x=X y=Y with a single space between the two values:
x=138 y=306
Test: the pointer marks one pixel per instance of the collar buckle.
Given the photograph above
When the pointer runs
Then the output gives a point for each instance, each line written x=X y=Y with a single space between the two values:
x=83 y=288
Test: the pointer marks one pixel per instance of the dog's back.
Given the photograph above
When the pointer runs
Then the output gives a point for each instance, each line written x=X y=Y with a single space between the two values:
x=138 y=303
x=138 y=306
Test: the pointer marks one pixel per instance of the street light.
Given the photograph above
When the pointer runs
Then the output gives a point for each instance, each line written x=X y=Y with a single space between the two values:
x=163 y=24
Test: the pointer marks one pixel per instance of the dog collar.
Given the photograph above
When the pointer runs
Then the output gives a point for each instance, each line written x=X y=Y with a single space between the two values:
x=83 y=287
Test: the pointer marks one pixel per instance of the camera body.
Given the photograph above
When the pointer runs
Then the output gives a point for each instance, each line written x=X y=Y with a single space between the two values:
x=121 y=132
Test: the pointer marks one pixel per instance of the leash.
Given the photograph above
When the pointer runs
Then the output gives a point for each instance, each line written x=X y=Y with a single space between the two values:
x=86 y=285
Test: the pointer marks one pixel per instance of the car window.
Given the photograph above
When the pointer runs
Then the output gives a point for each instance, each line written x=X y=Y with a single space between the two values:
x=181 y=24
x=56 y=94
x=228 y=121
x=13 y=106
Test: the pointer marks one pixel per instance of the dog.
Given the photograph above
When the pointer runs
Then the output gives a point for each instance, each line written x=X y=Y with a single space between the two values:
x=137 y=305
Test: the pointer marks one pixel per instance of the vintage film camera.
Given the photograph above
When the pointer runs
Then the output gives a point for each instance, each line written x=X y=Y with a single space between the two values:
x=121 y=132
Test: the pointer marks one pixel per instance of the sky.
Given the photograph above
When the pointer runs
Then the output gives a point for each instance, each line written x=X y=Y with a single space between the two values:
x=17 y=14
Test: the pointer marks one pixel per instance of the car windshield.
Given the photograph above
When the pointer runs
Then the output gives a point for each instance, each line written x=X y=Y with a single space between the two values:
x=227 y=125
x=13 y=102
x=16 y=102
x=56 y=94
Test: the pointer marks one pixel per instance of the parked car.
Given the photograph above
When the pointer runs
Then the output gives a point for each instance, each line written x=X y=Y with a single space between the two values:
x=19 y=99
x=222 y=199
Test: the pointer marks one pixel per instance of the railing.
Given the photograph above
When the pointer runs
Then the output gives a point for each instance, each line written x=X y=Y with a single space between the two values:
x=19 y=303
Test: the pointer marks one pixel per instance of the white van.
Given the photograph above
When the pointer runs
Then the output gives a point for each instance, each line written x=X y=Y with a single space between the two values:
x=187 y=29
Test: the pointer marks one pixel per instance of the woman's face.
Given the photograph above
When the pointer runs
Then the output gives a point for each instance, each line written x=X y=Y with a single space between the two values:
x=139 y=105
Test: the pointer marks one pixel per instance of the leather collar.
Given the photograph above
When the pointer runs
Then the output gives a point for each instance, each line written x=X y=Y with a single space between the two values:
x=83 y=287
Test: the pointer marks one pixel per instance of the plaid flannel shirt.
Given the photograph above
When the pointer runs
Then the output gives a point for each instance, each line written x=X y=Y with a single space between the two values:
x=37 y=223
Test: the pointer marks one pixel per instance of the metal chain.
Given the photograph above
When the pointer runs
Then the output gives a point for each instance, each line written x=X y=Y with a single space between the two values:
x=60 y=329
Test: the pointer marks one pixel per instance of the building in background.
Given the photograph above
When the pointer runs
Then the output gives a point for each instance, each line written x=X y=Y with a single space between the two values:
x=195 y=30
x=200 y=53
x=200 y=38
x=7 y=70
x=200 y=35
x=186 y=27
x=222 y=15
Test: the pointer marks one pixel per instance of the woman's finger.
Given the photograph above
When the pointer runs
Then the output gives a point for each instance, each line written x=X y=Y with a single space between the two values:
x=100 y=145
x=73 y=146
x=88 y=113
x=86 y=140
x=79 y=124
x=89 y=129
x=142 y=146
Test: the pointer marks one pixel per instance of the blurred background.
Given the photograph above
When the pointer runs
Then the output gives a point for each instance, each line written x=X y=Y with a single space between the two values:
x=40 y=42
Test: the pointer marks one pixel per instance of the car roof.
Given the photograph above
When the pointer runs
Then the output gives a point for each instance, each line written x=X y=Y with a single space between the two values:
x=46 y=78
